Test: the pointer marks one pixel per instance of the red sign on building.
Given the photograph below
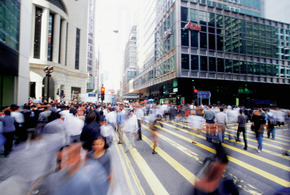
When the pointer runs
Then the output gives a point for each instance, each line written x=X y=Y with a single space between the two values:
x=192 y=26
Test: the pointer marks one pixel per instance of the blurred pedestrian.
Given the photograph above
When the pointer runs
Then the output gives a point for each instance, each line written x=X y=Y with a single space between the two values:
x=271 y=123
x=120 y=123
x=131 y=129
x=259 y=125
x=242 y=119
x=76 y=175
x=106 y=131
x=8 y=131
x=140 y=117
x=221 y=122
x=90 y=130
x=101 y=154
x=153 y=120
x=210 y=123
x=20 y=133
x=196 y=124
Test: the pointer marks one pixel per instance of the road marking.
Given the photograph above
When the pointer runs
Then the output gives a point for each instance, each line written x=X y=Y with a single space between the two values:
x=128 y=180
x=178 y=146
x=245 y=186
x=256 y=170
x=271 y=162
x=253 y=135
x=147 y=172
x=190 y=177
x=249 y=145
x=132 y=171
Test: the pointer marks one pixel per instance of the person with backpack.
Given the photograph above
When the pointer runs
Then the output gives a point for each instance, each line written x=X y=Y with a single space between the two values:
x=271 y=123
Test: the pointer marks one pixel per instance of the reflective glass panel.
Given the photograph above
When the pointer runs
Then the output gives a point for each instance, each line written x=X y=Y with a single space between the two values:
x=236 y=66
x=194 y=62
x=228 y=65
x=185 y=37
x=194 y=39
x=203 y=40
x=203 y=63
x=212 y=64
x=220 y=65
x=211 y=40
x=185 y=61
x=184 y=14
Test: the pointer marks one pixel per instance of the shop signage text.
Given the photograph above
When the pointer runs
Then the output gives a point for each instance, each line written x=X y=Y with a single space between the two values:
x=192 y=26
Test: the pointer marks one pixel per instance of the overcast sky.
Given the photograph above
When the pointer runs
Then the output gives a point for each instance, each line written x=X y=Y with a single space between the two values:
x=113 y=15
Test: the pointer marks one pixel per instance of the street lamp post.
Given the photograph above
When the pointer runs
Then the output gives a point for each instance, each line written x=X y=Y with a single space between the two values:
x=48 y=71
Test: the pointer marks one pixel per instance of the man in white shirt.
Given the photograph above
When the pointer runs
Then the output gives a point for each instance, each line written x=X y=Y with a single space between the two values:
x=221 y=121
x=140 y=116
x=130 y=128
x=20 y=133
x=111 y=117
x=74 y=126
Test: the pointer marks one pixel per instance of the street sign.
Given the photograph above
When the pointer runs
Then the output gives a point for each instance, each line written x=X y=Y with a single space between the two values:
x=204 y=94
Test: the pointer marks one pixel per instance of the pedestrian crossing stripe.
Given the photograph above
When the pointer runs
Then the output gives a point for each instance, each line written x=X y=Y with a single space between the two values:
x=178 y=146
x=246 y=187
x=190 y=177
x=256 y=170
x=128 y=180
x=130 y=167
x=279 y=165
x=154 y=183
x=249 y=145
x=235 y=131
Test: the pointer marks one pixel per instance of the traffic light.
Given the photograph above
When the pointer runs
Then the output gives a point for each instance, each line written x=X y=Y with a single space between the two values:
x=102 y=93
x=194 y=93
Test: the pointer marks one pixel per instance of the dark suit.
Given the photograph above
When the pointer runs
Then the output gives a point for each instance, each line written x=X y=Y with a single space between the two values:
x=89 y=133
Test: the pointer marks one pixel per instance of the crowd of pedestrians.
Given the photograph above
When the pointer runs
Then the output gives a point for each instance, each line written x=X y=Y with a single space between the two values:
x=55 y=145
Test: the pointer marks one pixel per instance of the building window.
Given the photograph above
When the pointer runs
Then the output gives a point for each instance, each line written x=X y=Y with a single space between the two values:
x=37 y=32
x=185 y=37
x=184 y=14
x=60 y=32
x=211 y=41
x=220 y=65
x=77 y=57
x=185 y=61
x=228 y=66
x=194 y=38
x=194 y=62
x=193 y=15
x=203 y=63
x=243 y=67
x=203 y=40
x=9 y=23
x=236 y=66
x=212 y=64
x=50 y=37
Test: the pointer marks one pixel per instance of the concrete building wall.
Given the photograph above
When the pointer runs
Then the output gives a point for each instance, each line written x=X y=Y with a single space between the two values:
x=66 y=23
x=24 y=52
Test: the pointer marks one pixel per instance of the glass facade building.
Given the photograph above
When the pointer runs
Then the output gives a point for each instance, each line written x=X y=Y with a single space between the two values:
x=9 y=50
x=217 y=46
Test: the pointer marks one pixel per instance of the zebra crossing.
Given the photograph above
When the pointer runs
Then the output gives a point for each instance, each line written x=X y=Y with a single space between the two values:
x=174 y=169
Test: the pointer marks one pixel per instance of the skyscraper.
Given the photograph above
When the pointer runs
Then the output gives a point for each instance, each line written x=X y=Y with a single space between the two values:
x=130 y=62
x=222 y=47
